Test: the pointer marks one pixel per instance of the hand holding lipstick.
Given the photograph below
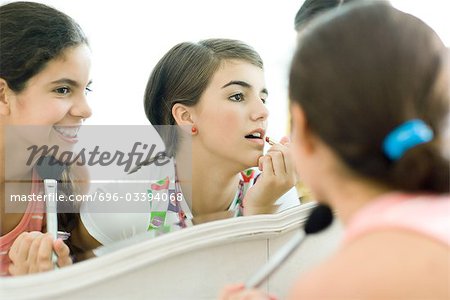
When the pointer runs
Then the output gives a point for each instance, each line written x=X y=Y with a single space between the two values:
x=277 y=177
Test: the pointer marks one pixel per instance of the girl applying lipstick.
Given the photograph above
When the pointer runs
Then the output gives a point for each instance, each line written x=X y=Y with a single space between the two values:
x=210 y=96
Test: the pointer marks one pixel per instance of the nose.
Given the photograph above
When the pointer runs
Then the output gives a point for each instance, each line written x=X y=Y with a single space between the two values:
x=259 y=111
x=81 y=108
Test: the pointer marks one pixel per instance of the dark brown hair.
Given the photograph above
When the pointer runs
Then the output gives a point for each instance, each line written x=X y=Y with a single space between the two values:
x=32 y=34
x=362 y=71
x=313 y=8
x=182 y=76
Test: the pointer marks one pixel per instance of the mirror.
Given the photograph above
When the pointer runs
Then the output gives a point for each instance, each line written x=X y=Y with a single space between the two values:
x=125 y=52
x=126 y=271
x=126 y=46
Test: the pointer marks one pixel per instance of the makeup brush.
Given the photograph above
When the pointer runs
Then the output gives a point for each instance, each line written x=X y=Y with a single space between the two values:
x=320 y=218
x=50 y=170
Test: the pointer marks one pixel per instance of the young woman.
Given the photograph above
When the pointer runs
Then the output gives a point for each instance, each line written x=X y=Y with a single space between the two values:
x=369 y=89
x=207 y=102
x=44 y=79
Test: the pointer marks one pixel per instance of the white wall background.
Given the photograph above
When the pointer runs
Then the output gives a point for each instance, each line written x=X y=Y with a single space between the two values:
x=129 y=37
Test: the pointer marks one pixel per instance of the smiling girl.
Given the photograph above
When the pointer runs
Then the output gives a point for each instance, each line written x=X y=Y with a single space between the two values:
x=44 y=79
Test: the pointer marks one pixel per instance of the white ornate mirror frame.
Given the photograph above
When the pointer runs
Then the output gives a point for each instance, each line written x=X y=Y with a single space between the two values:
x=194 y=263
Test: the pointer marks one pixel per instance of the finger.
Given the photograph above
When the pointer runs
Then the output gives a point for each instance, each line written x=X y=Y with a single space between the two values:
x=260 y=167
x=289 y=165
x=229 y=290
x=267 y=167
x=14 y=250
x=279 y=148
x=19 y=254
x=255 y=295
x=33 y=254
x=14 y=271
x=24 y=248
x=277 y=162
x=285 y=141
x=287 y=157
x=44 y=256
x=251 y=294
x=272 y=297
x=63 y=253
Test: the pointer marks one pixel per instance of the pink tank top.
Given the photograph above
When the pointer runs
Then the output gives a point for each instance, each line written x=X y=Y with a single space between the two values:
x=31 y=221
x=428 y=215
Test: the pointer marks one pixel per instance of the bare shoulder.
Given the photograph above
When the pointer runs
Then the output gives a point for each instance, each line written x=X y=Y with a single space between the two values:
x=391 y=264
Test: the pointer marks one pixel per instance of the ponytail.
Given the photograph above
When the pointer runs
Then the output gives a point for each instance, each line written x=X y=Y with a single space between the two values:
x=422 y=169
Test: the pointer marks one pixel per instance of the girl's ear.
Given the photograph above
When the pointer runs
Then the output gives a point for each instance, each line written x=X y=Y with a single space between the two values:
x=4 y=101
x=183 y=116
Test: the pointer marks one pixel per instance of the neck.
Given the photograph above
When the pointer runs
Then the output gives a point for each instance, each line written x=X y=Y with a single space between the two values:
x=9 y=220
x=337 y=185
x=348 y=195
x=209 y=183
x=14 y=165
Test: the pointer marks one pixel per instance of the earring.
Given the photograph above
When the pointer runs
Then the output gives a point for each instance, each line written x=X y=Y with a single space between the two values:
x=194 y=130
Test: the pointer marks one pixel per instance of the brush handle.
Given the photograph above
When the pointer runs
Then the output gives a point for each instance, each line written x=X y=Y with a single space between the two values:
x=275 y=261
x=50 y=188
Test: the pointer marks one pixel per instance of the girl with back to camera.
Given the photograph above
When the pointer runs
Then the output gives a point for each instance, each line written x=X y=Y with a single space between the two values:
x=44 y=79
x=368 y=134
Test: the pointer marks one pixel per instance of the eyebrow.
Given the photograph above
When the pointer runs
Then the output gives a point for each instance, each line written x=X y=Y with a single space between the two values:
x=69 y=81
x=243 y=84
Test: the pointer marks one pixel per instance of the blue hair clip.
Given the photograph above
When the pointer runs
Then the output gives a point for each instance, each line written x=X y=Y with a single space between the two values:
x=405 y=137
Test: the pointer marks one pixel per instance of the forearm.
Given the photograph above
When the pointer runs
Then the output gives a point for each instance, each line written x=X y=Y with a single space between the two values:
x=250 y=210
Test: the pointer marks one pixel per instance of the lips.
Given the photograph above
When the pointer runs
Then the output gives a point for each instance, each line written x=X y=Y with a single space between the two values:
x=256 y=137
x=256 y=134
x=69 y=132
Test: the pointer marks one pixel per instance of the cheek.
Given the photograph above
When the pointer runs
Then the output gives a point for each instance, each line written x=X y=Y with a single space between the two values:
x=296 y=156
x=231 y=121
x=22 y=106
x=34 y=110
x=296 y=150
x=223 y=122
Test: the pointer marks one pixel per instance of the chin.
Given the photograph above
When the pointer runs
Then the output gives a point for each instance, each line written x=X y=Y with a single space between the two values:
x=252 y=161
x=243 y=162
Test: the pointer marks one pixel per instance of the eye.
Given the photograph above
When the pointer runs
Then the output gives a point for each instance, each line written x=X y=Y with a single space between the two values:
x=87 y=90
x=237 y=97
x=264 y=94
x=62 y=90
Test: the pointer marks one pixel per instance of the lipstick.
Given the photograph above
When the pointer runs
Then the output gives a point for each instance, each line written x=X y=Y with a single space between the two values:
x=270 y=141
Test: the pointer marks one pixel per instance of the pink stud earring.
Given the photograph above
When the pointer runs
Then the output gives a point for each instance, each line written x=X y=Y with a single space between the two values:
x=194 y=130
